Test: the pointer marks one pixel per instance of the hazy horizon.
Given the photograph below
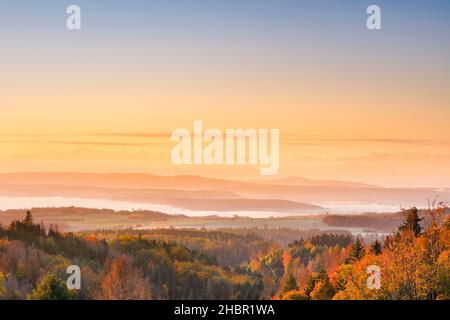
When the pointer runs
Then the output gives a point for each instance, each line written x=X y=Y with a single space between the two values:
x=200 y=196
x=107 y=97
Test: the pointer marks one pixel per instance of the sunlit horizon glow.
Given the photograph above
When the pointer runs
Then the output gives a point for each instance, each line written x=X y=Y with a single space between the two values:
x=350 y=104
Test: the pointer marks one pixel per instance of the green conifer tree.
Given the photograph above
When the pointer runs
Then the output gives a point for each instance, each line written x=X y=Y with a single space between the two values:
x=412 y=222
x=51 y=288
x=376 y=248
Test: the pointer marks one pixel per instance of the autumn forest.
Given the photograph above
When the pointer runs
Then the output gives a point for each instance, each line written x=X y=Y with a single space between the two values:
x=174 y=263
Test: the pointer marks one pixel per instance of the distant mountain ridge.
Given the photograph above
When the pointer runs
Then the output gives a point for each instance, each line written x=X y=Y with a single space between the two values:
x=292 y=194
x=300 y=181
x=140 y=180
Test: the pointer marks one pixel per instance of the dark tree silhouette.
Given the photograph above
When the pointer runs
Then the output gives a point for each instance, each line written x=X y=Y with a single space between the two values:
x=412 y=222
x=376 y=248
x=358 y=250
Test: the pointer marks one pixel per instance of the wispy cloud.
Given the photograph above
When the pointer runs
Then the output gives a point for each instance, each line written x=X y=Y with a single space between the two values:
x=133 y=134
x=288 y=139
x=82 y=143
x=291 y=139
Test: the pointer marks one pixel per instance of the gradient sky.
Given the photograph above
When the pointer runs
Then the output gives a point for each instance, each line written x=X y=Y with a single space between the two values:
x=354 y=104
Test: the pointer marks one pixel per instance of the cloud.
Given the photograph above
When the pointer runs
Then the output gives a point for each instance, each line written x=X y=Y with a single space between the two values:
x=298 y=140
x=403 y=158
x=132 y=134
x=84 y=143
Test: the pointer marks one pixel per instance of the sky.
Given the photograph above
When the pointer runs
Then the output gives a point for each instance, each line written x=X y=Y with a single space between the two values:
x=351 y=104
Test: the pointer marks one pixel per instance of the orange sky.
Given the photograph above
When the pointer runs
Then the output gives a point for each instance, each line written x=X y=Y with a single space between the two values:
x=350 y=104
x=373 y=132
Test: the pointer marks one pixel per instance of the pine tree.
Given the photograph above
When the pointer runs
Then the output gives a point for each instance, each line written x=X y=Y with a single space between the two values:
x=310 y=285
x=290 y=285
x=51 y=288
x=358 y=250
x=412 y=222
x=376 y=248
x=29 y=218
x=323 y=289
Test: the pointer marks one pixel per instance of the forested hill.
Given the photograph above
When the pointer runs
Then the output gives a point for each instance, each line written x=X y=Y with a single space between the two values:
x=127 y=267
x=414 y=262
